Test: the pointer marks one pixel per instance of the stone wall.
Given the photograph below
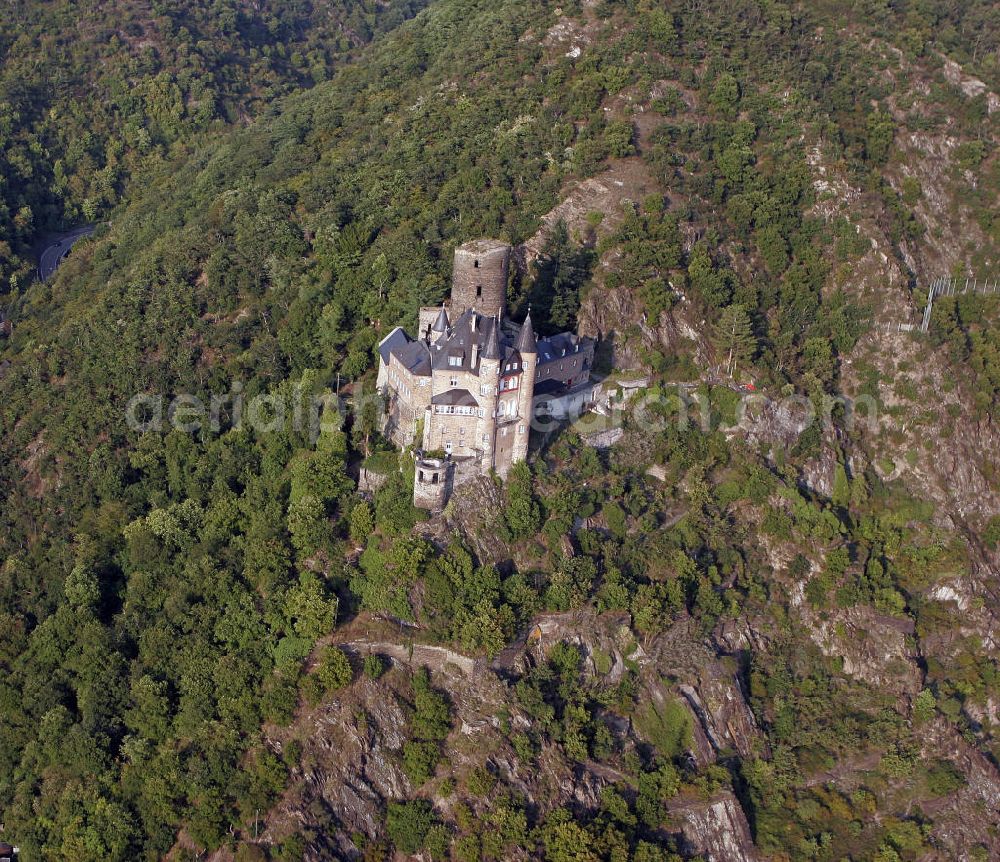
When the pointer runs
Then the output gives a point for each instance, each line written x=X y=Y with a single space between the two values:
x=460 y=430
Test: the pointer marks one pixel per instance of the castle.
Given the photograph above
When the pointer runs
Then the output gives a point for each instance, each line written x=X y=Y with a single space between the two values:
x=469 y=385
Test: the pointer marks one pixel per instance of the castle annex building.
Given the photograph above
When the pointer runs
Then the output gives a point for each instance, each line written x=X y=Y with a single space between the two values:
x=471 y=380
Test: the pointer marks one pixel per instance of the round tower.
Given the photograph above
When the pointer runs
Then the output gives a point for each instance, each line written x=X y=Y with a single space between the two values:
x=479 y=278
x=431 y=483
x=489 y=383
x=527 y=347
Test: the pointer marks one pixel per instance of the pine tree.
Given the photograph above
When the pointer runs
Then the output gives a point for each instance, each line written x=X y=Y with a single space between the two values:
x=735 y=337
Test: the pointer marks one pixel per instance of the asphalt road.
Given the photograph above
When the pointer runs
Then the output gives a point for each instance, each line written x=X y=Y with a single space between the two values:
x=59 y=246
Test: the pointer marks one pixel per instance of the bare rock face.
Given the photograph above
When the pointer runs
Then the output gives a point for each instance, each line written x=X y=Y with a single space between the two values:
x=474 y=511
x=349 y=765
x=873 y=647
x=716 y=829
x=766 y=421
x=722 y=711
x=963 y=820
x=711 y=687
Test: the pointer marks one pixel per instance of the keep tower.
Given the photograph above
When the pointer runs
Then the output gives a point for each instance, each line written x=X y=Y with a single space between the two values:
x=479 y=278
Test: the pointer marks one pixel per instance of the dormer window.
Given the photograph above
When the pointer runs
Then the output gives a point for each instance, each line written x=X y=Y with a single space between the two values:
x=455 y=361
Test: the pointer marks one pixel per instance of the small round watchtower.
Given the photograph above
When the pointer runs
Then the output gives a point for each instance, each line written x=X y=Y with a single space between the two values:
x=431 y=483
x=479 y=278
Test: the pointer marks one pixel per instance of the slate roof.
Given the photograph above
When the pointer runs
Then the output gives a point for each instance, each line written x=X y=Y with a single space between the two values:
x=396 y=338
x=491 y=350
x=456 y=397
x=412 y=355
x=526 y=337
x=415 y=357
x=564 y=344
x=470 y=330
x=473 y=330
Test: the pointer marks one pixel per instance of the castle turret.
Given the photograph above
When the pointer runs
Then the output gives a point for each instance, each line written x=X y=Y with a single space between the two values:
x=479 y=278
x=527 y=347
x=432 y=482
x=440 y=326
x=489 y=389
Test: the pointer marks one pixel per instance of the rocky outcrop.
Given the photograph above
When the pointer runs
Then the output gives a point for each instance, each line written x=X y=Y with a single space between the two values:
x=963 y=820
x=349 y=766
x=711 y=686
x=714 y=829
x=475 y=511
x=872 y=647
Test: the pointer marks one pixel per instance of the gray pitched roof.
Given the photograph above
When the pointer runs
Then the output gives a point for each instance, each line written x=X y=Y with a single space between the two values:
x=564 y=344
x=415 y=357
x=441 y=324
x=456 y=397
x=396 y=338
x=491 y=350
x=526 y=338
x=412 y=355
x=471 y=330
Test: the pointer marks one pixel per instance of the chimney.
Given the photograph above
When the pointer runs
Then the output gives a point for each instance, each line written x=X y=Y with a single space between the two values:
x=475 y=355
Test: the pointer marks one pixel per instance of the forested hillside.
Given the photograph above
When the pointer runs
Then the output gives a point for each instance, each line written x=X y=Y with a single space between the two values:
x=768 y=640
x=93 y=93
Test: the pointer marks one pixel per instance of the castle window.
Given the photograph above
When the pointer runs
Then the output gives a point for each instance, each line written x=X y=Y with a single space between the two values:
x=455 y=361
x=453 y=381
x=475 y=263
x=520 y=429
x=479 y=291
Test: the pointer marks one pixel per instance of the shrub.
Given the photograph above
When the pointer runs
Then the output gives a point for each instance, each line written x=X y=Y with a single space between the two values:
x=408 y=824
x=374 y=666
x=334 y=670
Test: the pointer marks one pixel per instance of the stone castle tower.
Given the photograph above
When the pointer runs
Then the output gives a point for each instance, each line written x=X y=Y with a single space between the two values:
x=462 y=393
x=479 y=278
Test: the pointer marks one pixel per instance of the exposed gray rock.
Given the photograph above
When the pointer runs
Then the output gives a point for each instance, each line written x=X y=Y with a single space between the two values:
x=715 y=829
